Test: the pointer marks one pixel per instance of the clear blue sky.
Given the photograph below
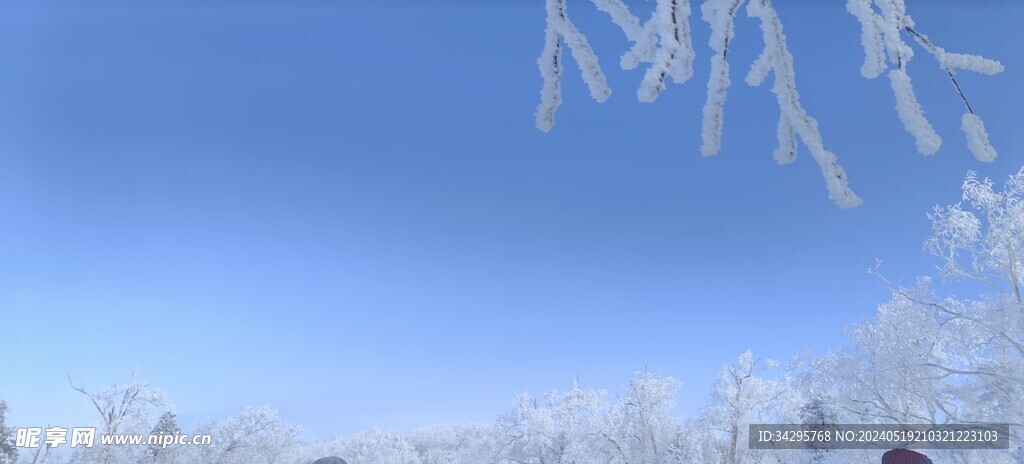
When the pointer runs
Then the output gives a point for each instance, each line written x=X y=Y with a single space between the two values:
x=343 y=210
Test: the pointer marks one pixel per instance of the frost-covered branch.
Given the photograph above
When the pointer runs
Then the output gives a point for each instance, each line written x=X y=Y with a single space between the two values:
x=644 y=37
x=793 y=119
x=665 y=41
x=550 y=62
x=675 y=54
x=720 y=15
x=881 y=35
x=560 y=27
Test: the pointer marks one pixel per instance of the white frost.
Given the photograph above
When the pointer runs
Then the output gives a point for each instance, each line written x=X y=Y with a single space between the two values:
x=644 y=37
x=550 y=63
x=975 y=63
x=793 y=118
x=675 y=54
x=786 y=152
x=891 y=22
x=644 y=47
x=721 y=15
x=871 y=37
x=621 y=16
x=760 y=68
x=585 y=58
x=883 y=23
x=665 y=41
x=977 y=137
x=910 y=112
x=714 y=106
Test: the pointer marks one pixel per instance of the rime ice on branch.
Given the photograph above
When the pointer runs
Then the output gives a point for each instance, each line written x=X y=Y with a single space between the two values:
x=675 y=55
x=882 y=25
x=793 y=119
x=720 y=14
x=664 y=40
x=550 y=62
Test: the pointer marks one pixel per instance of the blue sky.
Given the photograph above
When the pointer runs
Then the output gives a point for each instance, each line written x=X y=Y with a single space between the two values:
x=343 y=210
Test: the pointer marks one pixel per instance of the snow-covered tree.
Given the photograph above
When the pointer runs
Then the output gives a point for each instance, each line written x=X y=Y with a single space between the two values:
x=931 y=359
x=166 y=425
x=640 y=428
x=8 y=453
x=123 y=408
x=124 y=405
x=742 y=397
x=457 y=443
x=818 y=411
x=664 y=40
x=257 y=435
x=379 y=447
x=567 y=427
x=579 y=426
x=698 y=443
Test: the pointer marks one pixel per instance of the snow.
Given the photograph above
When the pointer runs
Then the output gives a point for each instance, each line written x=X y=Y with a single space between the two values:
x=871 y=37
x=714 y=106
x=975 y=63
x=720 y=15
x=881 y=35
x=675 y=55
x=665 y=41
x=550 y=62
x=977 y=137
x=786 y=152
x=584 y=56
x=621 y=16
x=793 y=118
x=910 y=112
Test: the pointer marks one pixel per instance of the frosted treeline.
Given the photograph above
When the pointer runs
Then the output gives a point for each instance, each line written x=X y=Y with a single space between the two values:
x=924 y=358
x=664 y=42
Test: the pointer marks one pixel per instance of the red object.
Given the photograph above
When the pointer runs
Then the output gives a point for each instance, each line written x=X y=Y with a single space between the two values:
x=903 y=456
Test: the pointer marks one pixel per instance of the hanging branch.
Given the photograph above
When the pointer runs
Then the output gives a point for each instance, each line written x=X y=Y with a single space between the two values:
x=550 y=61
x=665 y=41
x=644 y=37
x=675 y=53
x=881 y=34
x=793 y=119
x=720 y=14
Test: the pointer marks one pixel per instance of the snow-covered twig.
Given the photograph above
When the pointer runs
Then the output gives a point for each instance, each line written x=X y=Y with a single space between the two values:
x=559 y=26
x=665 y=41
x=720 y=14
x=550 y=62
x=977 y=137
x=871 y=37
x=881 y=34
x=675 y=54
x=793 y=118
x=644 y=37
x=622 y=17
x=910 y=112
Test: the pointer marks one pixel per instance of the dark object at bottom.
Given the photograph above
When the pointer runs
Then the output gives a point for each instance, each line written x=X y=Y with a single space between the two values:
x=904 y=456
x=330 y=460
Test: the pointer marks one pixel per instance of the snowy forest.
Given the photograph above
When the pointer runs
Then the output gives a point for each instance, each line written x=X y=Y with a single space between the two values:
x=946 y=348
x=961 y=364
